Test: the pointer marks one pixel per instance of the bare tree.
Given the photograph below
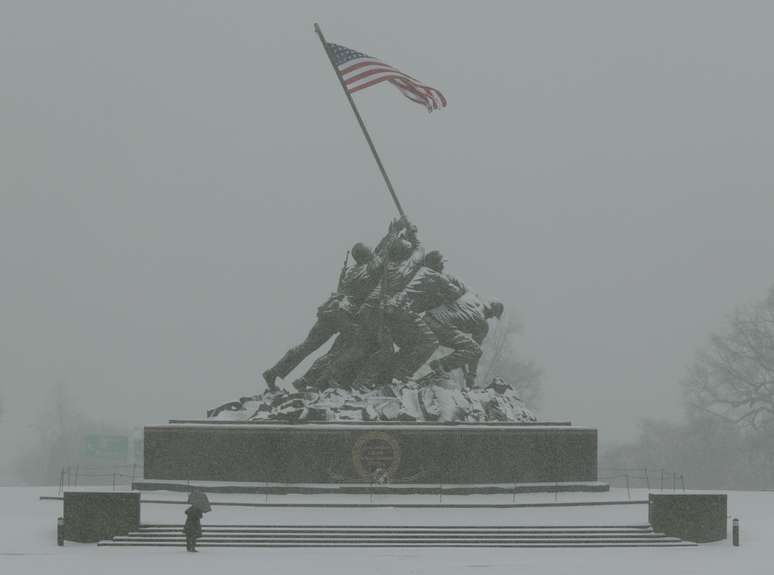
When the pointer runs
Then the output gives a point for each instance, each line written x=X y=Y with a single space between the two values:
x=502 y=359
x=733 y=376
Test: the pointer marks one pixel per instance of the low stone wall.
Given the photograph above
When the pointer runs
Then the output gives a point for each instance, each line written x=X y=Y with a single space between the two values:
x=93 y=516
x=700 y=518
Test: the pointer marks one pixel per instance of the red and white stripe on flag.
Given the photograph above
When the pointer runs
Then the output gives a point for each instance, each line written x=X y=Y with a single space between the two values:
x=359 y=71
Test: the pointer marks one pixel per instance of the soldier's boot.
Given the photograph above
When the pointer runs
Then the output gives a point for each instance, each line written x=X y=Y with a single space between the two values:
x=270 y=378
x=436 y=366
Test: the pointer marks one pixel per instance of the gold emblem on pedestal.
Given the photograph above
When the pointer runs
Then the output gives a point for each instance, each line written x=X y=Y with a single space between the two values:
x=376 y=456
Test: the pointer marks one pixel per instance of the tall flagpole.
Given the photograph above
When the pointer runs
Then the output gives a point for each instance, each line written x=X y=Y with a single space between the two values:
x=360 y=121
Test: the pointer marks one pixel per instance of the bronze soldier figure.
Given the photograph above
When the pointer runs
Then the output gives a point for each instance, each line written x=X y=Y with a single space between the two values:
x=429 y=288
x=462 y=326
x=336 y=315
x=370 y=357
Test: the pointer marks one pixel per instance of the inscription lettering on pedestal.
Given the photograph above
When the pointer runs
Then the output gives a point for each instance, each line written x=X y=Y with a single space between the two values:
x=376 y=456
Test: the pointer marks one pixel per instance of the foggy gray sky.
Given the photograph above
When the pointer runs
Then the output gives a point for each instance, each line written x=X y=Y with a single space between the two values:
x=179 y=182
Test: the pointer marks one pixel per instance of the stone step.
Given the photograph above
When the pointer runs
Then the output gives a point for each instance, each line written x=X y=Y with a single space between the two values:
x=388 y=530
x=401 y=536
x=305 y=544
x=345 y=534
x=458 y=535
x=393 y=539
x=213 y=527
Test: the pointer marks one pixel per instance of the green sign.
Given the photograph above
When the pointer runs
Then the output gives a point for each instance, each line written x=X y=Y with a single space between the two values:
x=100 y=446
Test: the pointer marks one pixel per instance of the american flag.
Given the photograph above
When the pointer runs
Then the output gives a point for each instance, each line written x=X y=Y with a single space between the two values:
x=359 y=71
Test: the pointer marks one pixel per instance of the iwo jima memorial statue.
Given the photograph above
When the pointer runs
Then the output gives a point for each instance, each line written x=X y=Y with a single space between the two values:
x=397 y=398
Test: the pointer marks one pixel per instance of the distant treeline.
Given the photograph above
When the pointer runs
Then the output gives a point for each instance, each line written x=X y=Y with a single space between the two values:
x=727 y=439
x=709 y=453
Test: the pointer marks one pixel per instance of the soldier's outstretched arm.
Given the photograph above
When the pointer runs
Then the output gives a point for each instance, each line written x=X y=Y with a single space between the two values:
x=393 y=230
x=456 y=287
x=445 y=286
x=458 y=284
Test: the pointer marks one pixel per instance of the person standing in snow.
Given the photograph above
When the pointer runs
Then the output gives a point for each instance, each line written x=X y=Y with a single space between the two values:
x=193 y=527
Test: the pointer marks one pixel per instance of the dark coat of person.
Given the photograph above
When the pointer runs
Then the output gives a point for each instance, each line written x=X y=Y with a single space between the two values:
x=193 y=522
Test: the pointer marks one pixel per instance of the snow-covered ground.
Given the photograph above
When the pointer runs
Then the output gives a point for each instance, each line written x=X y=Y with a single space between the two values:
x=28 y=540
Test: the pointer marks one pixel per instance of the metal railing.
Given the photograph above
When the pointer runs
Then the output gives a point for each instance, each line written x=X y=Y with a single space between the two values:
x=651 y=479
x=115 y=475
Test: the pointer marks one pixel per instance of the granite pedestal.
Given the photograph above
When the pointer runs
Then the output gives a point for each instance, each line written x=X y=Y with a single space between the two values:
x=371 y=452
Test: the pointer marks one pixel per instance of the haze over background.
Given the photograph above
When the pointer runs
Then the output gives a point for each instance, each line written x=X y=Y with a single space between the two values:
x=179 y=182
